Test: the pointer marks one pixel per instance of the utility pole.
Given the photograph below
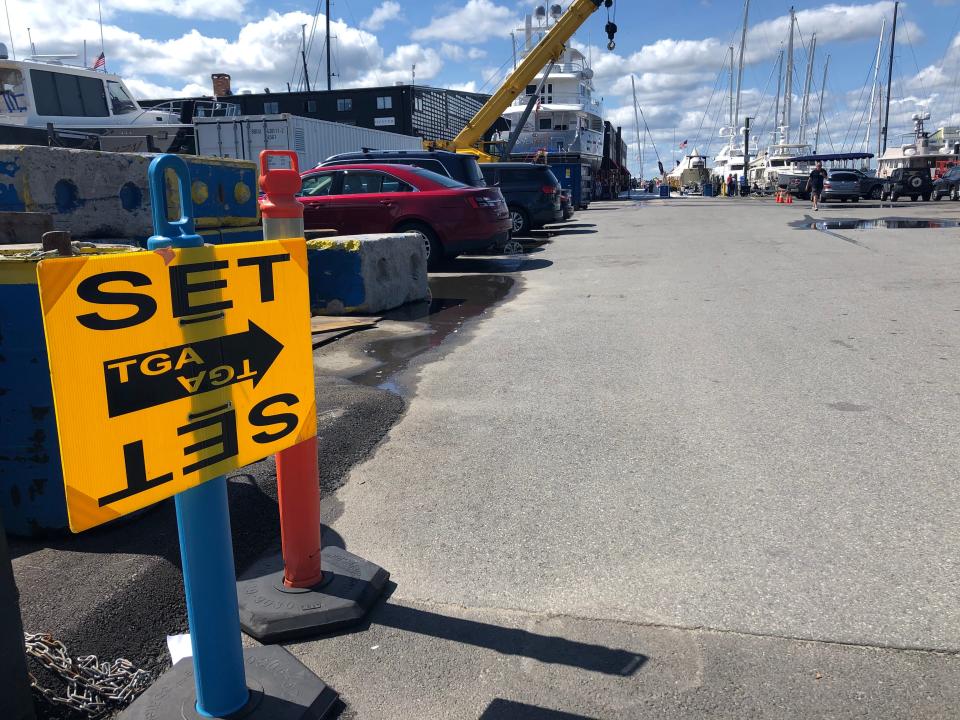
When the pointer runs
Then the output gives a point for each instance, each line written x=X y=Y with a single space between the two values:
x=788 y=90
x=303 y=56
x=806 y=89
x=329 y=73
x=823 y=90
x=893 y=40
x=746 y=153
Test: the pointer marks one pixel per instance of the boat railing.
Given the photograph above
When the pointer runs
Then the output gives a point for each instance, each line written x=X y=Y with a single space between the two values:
x=199 y=108
x=568 y=141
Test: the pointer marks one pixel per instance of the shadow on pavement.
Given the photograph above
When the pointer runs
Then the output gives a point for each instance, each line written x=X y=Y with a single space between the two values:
x=500 y=709
x=507 y=641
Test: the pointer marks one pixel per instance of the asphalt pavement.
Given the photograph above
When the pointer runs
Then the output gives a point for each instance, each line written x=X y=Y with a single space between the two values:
x=701 y=463
x=687 y=458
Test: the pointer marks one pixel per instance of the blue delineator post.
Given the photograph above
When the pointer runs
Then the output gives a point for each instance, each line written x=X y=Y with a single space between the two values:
x=203 y=515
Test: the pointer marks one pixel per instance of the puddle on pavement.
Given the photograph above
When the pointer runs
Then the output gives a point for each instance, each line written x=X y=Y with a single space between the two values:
x=456 y=299
x=876 y=224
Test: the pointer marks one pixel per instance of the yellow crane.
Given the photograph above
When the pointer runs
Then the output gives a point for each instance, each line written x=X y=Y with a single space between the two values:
x=545 y=52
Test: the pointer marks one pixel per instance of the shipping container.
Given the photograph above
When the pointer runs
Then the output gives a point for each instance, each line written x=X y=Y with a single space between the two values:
x=577 y=178
x=313 y=140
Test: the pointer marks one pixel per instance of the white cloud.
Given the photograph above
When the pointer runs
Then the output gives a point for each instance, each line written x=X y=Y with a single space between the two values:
x=470 y=86
x=398 y=66
x=474 y=23
x=381 y=15
x=460 y=53
x=200 y=9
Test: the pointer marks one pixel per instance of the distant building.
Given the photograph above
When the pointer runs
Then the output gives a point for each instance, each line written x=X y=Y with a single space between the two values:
x=421 y=111
x=947 y=135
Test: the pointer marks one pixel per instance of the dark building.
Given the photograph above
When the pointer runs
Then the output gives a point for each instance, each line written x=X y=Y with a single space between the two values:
x=430 y=113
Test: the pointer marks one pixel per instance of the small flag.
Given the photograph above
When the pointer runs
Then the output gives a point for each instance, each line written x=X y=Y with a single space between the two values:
x=100 y=63
x=683 y=144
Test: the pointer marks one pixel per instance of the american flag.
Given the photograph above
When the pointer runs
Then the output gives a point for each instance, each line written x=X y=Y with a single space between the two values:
x=683 y=144
x=100 y=63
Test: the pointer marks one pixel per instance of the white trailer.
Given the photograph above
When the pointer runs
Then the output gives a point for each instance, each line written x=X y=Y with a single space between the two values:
x=314 y=141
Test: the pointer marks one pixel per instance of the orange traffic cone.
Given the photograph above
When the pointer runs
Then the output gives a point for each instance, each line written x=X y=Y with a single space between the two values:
x=789 y=199
x=779 y=199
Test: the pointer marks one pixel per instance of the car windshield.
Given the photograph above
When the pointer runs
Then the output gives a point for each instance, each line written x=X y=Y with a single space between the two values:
x=437 y=178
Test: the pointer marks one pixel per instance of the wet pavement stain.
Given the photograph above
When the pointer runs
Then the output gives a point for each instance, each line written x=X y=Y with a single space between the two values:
x=455 y=301
x=848 y=407
x=892 y=223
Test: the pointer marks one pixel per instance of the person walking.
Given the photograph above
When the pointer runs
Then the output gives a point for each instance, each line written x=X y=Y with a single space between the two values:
x=815 y=185
x=729 y=185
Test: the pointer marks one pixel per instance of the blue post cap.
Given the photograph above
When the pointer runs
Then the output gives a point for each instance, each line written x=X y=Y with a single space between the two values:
x=177 y=233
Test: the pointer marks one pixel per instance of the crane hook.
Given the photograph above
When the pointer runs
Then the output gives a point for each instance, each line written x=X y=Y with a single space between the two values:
x=611 y=29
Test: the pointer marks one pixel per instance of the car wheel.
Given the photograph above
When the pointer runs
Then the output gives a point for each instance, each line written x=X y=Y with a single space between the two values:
x=876 y=193
x=430 y=242
x=856 y=199
x=519 y=222
x=926 y=197
x=894 y=197
x=954 y=193
x=937 y=196
x=914 y=198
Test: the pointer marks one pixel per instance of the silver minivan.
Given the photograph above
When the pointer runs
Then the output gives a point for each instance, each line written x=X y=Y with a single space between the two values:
x=841 y=185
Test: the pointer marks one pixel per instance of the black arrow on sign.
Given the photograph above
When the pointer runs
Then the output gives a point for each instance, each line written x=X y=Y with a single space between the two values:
x=153 y=378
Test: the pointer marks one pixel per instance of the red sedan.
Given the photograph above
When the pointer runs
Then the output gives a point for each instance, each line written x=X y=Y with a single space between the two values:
x=451 y=217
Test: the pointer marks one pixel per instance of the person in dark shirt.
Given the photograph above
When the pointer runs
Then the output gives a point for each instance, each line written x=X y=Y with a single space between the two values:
x=815 y=184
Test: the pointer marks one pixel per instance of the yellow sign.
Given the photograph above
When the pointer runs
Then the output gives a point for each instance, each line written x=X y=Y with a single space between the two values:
x=172 y=367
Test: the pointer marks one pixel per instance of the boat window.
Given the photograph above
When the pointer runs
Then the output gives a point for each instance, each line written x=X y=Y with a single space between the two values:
x=531 y=89
x=120 y=102
x=64 y=95
x=546 y=123
x=13 y=91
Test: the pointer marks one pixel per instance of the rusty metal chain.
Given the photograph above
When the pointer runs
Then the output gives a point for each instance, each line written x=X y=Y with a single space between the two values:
x=92 y=687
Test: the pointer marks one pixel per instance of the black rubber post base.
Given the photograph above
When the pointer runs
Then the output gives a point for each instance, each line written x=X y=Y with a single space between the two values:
x=271 y=612
x=281 y=688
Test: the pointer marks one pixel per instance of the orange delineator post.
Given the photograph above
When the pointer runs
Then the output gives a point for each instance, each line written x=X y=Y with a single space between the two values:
x=298 y=471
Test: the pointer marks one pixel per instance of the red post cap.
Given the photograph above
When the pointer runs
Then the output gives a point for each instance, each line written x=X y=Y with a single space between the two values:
x=280 y=186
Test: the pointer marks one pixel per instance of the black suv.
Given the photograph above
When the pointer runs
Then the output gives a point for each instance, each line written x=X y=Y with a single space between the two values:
x=532 y=193
x=915 y=182
x=459 y=166
x=949 y=184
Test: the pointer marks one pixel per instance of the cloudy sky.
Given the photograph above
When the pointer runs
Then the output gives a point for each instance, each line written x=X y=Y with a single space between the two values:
x=676 y=50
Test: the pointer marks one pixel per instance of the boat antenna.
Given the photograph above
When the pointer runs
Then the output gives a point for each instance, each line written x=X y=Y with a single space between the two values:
x=102 y=49
x=893 y=40
x=33 y=48
x=10 y=30
x=303 y=55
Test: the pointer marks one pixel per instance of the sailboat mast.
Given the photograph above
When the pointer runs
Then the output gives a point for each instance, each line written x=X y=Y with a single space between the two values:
x=823 y=90
x=743 y=44
x=776 y=112
x=788 y=84
x=731 y=89
x=893 y=42
x=873 y=88
x=636 y=121
x=806 y=88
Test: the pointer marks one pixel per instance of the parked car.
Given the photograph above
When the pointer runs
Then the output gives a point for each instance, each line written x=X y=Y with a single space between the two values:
x=459 y=166
x=566 y=203
x=948 y=184
x=452 y=218
x=841 y=185
x=915 y=182
x=532 y=193
x=871 y=186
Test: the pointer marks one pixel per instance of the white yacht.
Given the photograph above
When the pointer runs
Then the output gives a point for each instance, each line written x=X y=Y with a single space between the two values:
x=920 y=150
x=567 y=119
x=46 y=101
x=768 y=168
x=729 y=159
